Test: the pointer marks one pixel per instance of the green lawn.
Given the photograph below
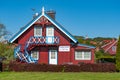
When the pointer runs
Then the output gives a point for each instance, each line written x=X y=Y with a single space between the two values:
x=58 y=76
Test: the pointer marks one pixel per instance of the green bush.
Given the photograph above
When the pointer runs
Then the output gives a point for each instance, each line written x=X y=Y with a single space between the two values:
x=6 y=51
x=118 y=55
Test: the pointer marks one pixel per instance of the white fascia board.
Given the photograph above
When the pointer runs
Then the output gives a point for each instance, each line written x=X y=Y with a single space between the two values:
x=27 y=26
x=60 y=28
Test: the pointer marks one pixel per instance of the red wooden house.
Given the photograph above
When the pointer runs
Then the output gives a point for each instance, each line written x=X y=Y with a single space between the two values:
x=43 y=40
x=110 y=47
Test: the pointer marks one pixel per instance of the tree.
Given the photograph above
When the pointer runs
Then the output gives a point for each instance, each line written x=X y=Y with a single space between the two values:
x=3 y=32
x=118 y=55
x=6 y=51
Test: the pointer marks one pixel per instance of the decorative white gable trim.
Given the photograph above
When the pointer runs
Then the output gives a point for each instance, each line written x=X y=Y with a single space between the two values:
x=50 y=19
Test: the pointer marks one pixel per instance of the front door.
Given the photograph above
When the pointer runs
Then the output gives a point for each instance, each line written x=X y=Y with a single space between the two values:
x=52 y=56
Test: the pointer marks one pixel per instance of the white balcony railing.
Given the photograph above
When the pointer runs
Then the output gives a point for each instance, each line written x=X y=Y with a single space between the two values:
x=44 y=40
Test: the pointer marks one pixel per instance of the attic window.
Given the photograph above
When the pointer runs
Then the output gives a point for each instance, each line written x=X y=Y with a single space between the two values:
x=37 y=30
x=50 y=31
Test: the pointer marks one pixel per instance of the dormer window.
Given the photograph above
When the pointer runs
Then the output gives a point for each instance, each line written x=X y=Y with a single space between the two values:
x=37 y=30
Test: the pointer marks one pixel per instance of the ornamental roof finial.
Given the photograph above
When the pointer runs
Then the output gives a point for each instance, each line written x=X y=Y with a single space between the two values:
x=43 y=10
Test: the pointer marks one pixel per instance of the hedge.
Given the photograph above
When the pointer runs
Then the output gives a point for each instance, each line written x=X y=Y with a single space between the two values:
x=99 y=67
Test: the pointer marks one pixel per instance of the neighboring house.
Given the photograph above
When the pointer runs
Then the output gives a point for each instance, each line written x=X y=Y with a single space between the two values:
x=110 y=47
x=44 y=40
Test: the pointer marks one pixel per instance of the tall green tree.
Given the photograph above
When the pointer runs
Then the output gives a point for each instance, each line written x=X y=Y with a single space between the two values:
x=118 y=55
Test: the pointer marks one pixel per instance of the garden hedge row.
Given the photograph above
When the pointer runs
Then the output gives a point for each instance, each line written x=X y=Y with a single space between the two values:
x=101 y=67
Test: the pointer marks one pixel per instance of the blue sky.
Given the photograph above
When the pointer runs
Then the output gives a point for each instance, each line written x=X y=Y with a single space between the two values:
x=95 y=18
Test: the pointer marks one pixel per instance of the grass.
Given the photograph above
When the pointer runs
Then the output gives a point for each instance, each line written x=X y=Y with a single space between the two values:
x=58 y=76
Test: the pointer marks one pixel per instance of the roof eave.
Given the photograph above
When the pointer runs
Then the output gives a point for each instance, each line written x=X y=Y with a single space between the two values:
x=91 y=47
x=34 y=20
x=59 y=27
x=26 y=27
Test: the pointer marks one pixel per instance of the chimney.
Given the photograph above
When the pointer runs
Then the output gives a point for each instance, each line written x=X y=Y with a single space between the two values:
x=51 y=13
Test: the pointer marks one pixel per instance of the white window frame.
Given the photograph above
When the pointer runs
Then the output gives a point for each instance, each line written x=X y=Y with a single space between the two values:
x=83 y=57
x=52 y=31
x=35 y=29
x=114 y=48
x=78 y=55
x=35 y=52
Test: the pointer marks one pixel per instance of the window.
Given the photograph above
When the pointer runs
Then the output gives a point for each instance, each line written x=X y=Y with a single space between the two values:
x=87 y=55
x=50 y=31
x=53 y=52
x=78 y=55
x=37 y=31
x=114 y=48
x=35 y=55
x=82 y=55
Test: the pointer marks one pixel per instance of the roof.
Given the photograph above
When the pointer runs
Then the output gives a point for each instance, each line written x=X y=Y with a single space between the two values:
x=19 y=33
x=107 y=46
x=84 y=45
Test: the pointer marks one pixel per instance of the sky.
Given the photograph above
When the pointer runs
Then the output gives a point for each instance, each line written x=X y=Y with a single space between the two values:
x=94 y=18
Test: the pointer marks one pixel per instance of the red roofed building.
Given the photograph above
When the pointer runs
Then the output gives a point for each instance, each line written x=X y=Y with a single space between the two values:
x=110 y=47
x=44 y=40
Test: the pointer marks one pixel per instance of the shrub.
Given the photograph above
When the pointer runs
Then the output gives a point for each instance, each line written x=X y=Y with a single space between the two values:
x=101 y=67
x=71 y=68
x=5 y=67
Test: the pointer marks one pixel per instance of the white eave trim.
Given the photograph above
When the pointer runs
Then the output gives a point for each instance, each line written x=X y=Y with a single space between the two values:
x=39 y=16
x=60 y=28
x=25 y=29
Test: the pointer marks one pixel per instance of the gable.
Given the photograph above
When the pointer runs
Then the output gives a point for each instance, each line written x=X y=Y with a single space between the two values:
x=109 y=45
x=18 y=34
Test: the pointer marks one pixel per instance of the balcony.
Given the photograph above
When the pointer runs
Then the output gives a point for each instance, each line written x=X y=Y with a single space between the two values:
x=48 y=40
